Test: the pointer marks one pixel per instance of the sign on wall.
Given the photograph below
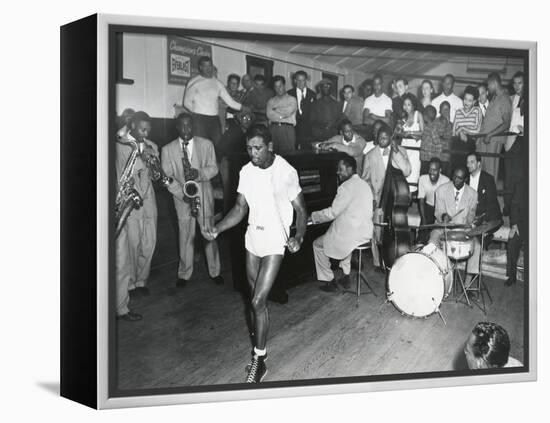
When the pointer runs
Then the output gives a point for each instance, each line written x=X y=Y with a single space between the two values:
x=183 y=57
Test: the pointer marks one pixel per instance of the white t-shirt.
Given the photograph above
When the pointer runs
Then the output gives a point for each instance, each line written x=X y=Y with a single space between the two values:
x=426 y=189
x=378 y=105
x=454 y=100
x=269 y=193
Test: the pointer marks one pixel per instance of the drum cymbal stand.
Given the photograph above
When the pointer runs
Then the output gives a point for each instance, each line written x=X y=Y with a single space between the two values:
x=477 y=284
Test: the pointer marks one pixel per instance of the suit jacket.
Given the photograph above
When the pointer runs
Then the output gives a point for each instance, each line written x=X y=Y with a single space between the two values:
x=305 y=105
x=353 y=149
x=374 y=171
x=351 y=216
x=445 y=203
x=204 y=160
x=487 y=198
x=354 y=110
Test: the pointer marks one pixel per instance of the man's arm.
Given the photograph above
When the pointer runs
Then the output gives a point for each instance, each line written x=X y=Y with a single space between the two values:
x=175 y=187
x=402 y=162
x=228 y=99
x=272 y=115
x=339 y=205
x=233 y=218
x=288 y=109
x=422 y=209
x=188 y=97
x=355 y=149
x=210 y=168
x=299 y=205
x=440 y=209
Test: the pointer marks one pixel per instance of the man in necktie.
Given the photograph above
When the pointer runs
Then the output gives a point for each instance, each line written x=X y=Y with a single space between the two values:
x=456 y=202
x=375 y=164
x=199 y=154
x=305 y=97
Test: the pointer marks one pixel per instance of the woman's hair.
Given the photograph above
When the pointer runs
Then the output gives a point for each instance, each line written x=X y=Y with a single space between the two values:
x=491 y=344
x=426 y=81
x=473 y=91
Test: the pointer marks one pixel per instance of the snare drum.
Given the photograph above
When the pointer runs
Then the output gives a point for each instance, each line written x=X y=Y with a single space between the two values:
x=458 y=245
x=418 y=282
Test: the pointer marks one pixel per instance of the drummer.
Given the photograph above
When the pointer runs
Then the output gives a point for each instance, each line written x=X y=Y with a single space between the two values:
x=456 y=202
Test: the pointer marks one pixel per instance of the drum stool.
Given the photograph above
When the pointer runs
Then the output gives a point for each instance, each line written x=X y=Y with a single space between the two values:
x=360 y=277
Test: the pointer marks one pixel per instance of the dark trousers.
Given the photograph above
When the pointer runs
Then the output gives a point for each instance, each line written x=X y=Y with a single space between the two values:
x=512 y=255
x=283 y=137
x=424 y=234
x=303 y=134
x=208 y=127
x=513 y=171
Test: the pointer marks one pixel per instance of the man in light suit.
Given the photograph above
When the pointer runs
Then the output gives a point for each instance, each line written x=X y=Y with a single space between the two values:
x=374 y=173
x=456 y=202
x=136 y=242
x=202 y=157
x=351 y=213
x=348 y=141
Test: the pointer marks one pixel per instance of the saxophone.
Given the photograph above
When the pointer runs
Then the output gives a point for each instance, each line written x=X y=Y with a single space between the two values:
x=127 y=198
x=190 y=187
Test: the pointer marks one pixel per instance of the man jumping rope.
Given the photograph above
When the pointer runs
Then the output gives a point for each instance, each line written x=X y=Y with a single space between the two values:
x=269 y=188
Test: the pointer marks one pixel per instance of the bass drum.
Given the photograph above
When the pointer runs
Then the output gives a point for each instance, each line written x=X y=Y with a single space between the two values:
x=444 y=264
x=417 y=283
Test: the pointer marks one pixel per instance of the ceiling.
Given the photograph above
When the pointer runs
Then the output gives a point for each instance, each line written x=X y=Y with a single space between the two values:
x=409 y=63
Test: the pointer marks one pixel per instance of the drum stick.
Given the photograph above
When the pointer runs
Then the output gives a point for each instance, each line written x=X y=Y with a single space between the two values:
x=456 y=214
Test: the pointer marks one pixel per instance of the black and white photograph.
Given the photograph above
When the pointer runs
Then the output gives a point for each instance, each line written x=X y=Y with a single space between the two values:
x=299 y=210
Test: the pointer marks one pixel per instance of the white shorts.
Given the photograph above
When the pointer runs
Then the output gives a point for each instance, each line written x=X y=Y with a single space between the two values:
x=263 y=242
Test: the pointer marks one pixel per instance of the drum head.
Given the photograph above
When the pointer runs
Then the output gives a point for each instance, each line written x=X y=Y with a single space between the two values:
x=415 y=285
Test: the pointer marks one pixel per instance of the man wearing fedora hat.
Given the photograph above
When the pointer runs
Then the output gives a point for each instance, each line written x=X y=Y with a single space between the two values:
x=325 y=113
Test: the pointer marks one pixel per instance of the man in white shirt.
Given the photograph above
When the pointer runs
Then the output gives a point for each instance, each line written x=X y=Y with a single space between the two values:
x=449 y=96
x=269 y=191
x=427 y=185
x=201 y=98
x=378 y=106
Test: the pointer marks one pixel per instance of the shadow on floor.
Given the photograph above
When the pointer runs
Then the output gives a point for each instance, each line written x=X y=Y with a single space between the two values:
x=51 y=387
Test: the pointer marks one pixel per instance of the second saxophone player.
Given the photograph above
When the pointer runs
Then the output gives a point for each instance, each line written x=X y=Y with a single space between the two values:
x=191 y=158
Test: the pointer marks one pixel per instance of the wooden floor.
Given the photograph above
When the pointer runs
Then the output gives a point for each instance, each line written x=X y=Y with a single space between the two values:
x=198 y=335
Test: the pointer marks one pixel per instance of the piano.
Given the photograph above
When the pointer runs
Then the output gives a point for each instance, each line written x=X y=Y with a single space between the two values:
x=319 y=182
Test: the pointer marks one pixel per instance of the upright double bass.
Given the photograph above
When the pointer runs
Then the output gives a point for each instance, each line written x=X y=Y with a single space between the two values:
x=395 y=201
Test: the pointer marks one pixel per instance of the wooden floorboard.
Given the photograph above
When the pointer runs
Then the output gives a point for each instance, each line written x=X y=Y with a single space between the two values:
x=198 y=335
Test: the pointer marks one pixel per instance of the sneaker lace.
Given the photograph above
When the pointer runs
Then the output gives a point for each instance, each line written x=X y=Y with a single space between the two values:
x=253 y=370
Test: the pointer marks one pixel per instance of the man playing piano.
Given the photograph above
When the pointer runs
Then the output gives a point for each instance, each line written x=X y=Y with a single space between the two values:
x=351 y=216
x=269 y=188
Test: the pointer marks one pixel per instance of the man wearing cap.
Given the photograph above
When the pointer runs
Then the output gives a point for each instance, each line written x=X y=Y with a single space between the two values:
x=325 y=113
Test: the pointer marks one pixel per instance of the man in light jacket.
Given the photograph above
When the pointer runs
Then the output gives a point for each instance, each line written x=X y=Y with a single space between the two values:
x=351 y=216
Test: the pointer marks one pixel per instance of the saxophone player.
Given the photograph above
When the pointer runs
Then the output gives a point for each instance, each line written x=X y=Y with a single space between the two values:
x=136 y=242
x=192 y=158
